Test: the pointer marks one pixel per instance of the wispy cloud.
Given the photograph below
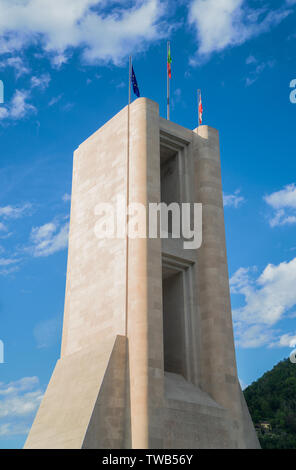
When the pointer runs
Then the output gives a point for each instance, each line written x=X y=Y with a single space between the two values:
x=8 y=271
x=233 y=200
x=8 y=261
x=17 y=64
x=283 y=203
x=9 y=266
x=102 y=35
x=251 y=60
x=258 y=70
x=49 y=239
x=18 y=107
x=15 y=212
x=6 y=235
x=220 y=24
x=287 y=340
x=19 y=401
x=41 y=82
x=10 y=429
x=68 y=106
x=268 y=298
x=55 y=99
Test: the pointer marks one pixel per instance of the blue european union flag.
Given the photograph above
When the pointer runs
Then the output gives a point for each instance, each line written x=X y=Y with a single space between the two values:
x=135 y=84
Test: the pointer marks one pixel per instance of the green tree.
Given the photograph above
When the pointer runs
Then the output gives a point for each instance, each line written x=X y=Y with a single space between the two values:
x=272 y=399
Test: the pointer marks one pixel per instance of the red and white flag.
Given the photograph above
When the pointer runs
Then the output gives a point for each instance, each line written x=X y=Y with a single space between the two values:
x=200 y=109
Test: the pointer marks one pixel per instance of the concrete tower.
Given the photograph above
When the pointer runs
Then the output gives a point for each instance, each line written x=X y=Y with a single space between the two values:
x=148 y=357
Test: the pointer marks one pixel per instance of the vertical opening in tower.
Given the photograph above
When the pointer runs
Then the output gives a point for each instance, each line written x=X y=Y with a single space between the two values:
x=173 y=321
x=169 y=180
x=172 y=277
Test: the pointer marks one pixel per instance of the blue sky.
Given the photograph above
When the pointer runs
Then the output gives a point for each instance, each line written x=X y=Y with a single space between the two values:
x=64 y=65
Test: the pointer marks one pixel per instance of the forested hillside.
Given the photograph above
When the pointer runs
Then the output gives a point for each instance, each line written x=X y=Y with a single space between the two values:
x=272 y=404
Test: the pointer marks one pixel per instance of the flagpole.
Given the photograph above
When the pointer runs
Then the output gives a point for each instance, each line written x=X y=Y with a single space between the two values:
x=129 y=80
x=127 y=195
x=168 y=84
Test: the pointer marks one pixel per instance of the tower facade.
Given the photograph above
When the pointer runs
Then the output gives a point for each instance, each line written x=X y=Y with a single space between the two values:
x=147 y=357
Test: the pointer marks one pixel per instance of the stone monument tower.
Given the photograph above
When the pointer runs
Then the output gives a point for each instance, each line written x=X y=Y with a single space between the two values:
x=147 y=357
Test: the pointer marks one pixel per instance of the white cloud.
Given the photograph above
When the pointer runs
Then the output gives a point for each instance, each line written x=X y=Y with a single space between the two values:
x=8 y=261
x=251 y=60
x=15 y=212
x=17 y=64
x=39 y=234
x=220 y=24
x=7 y=235
x=8 y=265
x=49 y=239
x=40 y=82
x=20 y=398
x=267 y=300
x=55 y=100
x=19 y=107
x=19 y=401
x=11 y=42
x=8 y=271
x=240 y=279
x=233 y=200
x=58 y=60
x=68 y=106
x=3 y=113
x=281 y=218
x=283 y=203
x=286 y=340
x=102 y=35
x=269 y=296
x=253 y=336
x=26 y=383
x=284 y=198
x=60 y=26
x=259 y=69
x=9 y=429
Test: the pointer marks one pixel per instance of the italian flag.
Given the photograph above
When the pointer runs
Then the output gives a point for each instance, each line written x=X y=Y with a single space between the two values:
x=200 y=109
x=169 y=62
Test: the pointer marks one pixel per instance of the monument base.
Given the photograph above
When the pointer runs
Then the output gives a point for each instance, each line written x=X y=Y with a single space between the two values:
x=86 y=405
